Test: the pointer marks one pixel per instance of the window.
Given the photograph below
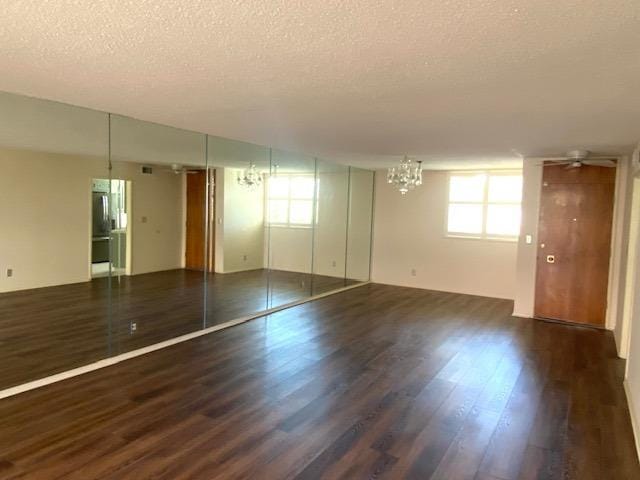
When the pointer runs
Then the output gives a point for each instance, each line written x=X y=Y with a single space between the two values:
x=484 y=204
x=290 y=200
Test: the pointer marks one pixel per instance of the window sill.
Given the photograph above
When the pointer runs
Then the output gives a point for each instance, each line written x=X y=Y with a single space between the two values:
x=297 y=227
x=486 y=239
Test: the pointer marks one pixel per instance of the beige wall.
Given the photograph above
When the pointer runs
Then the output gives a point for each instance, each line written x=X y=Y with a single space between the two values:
x=45 y=210
x=630 y=331
x=360 y=218
x=330 y=233
x=628 y=337
x=619 y=253
x=633 y=368
x=526 y=257
x=290 y=249
x=243 y=225
x=218 y=263
x=409 y=233
x=157 y=221
x=45 y=213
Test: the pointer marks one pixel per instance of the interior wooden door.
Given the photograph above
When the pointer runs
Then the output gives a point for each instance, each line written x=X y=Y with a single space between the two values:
x=195 y=228
x=574 y=243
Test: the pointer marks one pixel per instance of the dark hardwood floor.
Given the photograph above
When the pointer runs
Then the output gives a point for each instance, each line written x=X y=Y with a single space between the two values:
x=49 y=330
x=377 y=382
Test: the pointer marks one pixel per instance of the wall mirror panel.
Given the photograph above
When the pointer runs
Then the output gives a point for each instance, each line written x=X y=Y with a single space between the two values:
x=238 y=237
x=53 y=314
x=291 y=212
x=157 y=223
x=360 y=220
x=330 y=228
x=118 y=233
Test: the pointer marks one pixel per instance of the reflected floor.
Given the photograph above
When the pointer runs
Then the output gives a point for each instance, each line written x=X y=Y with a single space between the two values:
x=48 y=330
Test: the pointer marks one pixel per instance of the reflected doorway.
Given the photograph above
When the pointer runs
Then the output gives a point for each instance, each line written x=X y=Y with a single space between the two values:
x=109 y=210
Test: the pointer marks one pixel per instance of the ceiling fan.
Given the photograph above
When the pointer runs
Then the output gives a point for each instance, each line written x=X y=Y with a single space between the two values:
x=178 y=169
x=578 y=158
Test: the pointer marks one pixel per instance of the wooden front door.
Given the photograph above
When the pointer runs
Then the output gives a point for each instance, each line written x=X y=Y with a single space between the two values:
x=195 y=228
x=574 y=243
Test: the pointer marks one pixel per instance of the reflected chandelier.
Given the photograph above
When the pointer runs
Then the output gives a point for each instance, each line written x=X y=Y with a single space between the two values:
x=405 y=176
x=250 y=177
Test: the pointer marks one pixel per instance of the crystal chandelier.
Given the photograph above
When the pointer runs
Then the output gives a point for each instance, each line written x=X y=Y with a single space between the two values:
x=250 y=177
x=406 y=176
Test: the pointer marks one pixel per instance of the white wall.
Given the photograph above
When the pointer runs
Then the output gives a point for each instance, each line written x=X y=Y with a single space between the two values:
x=45 y=212
x=243 y=225
x=409 y=233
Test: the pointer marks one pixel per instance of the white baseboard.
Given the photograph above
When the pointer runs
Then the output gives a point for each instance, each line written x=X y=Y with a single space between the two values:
x=634 y=417
x=107 y=362
x=521 y=315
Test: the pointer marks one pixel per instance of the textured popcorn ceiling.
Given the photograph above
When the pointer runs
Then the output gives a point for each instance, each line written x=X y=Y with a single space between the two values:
x=450 y=80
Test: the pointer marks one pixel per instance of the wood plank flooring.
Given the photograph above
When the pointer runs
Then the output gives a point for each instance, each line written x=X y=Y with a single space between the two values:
x=49 y=330
x=377 y=382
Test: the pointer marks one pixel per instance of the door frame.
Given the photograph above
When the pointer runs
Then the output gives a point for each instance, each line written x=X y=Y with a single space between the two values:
x=617 y=267
x=210 y=226
x=630 y=301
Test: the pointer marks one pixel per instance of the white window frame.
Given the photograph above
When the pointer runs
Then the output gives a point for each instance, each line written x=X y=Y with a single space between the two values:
x=289 y=198
x=483 y=235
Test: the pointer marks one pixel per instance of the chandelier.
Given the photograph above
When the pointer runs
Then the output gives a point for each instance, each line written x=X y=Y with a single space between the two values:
x=405 y=176
x=250 y=177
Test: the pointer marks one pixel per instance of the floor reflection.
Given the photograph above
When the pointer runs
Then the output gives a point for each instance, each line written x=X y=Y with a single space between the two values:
x=48 y=330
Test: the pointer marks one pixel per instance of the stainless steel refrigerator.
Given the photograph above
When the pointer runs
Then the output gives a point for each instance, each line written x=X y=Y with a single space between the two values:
x=100 y=222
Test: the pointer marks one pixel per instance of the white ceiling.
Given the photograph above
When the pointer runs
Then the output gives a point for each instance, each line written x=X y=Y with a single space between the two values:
x=451 y=81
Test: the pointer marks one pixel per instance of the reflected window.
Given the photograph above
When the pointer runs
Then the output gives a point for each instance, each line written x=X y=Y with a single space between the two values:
x=485 y=204
x=290 y=200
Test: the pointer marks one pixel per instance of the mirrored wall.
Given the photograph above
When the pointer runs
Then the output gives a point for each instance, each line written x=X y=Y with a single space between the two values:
x=118 y=234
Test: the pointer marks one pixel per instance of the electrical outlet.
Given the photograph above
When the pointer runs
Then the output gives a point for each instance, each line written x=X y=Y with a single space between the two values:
x=333 y=264
x=244 y=257
x=9 y=272
x=134 y=327
x=413 y=272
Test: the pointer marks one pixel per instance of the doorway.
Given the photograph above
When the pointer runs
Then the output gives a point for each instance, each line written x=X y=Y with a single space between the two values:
x=110 y=227
x=575 y=224
x=199 y=253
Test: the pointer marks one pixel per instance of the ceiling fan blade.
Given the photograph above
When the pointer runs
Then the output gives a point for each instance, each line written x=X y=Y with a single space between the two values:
x=600 y=163
x=552 y=163
x=571 y=165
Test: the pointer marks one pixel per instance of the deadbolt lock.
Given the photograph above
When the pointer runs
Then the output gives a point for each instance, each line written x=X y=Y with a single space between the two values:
x=551 y=259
